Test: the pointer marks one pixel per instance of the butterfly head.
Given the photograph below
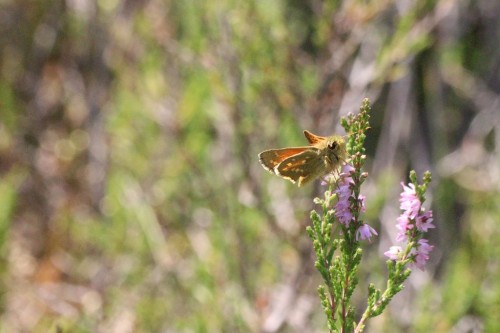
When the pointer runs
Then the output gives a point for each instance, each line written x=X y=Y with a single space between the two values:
x=335 y=149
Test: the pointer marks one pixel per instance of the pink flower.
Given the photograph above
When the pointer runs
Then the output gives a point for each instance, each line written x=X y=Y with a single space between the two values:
x=423 y=222
x=393 y=252
x=344 y=192
x=362 y=199
x=365 y=232
x=409 y=200
x=343 y=212
x=347 y=169
x=403 y=225
x=421 y=253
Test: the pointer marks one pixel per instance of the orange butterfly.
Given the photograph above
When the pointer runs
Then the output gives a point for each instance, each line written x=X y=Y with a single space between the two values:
x=302 y=164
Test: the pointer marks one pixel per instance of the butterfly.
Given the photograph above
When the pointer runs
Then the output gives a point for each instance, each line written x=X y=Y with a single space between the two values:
x=300 y=165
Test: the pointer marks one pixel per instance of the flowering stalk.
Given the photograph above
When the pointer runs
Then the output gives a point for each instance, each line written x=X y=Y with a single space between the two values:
x=340 y=227
x=412 y=224
x=340 y=272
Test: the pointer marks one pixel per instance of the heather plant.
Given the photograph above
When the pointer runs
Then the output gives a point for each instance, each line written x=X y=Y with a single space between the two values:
x=338 y=230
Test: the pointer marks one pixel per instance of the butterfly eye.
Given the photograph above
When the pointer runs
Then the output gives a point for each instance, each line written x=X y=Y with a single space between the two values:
x=332 y=145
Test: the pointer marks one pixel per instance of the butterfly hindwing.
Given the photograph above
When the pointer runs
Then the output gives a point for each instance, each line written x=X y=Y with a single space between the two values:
x=300 y=168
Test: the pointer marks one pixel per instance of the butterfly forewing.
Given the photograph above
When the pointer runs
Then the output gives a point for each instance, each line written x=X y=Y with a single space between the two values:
x=271 y=158
x=313 y=138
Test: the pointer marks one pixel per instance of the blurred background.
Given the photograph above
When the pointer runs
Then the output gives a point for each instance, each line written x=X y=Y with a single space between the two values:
x=131 y=197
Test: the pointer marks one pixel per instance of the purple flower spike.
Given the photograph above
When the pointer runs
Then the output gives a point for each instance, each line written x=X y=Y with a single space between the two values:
x=411 y=225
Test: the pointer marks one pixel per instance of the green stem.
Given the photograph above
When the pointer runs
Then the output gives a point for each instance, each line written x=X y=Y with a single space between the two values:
x=361 y=324
x=345 y=299
x=327 y=264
